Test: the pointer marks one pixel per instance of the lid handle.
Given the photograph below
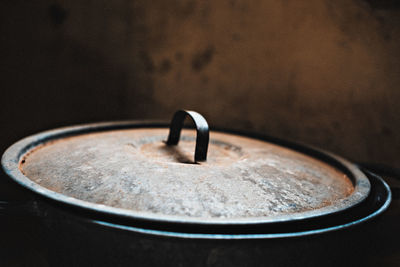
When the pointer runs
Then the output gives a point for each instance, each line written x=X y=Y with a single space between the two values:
x=202 y=137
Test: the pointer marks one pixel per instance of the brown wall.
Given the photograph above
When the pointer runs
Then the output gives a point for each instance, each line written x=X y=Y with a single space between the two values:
x=322 y=72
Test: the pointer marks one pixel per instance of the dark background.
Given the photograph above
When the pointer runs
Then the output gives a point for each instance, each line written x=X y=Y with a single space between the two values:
x=322 y=72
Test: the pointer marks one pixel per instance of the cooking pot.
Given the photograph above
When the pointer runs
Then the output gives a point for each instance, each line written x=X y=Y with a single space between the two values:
x=129 y=193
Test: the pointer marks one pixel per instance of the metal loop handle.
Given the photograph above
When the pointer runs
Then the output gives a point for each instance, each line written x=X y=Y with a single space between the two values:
x=202 y=137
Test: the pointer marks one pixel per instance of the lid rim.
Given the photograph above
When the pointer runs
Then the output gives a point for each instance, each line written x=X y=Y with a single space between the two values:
x=12 y=156
x=369 y=215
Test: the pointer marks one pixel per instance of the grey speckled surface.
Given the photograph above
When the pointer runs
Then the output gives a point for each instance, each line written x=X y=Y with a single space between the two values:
x=134 y=169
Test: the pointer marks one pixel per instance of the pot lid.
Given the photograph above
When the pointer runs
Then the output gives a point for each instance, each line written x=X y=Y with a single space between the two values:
x=130 y=170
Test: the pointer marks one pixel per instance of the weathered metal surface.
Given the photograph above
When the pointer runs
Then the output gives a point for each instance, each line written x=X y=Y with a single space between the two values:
x=242 y=179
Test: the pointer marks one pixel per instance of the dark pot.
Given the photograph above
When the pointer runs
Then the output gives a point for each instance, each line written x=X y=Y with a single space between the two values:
x=73 y=235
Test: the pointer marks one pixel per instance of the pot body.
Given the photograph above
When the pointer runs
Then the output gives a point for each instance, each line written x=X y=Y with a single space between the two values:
x=59 y=236
x=66 y=234
x=72 y=244
x=69 y=242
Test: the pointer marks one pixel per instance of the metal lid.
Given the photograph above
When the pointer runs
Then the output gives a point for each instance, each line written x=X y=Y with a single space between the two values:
x=134 y=172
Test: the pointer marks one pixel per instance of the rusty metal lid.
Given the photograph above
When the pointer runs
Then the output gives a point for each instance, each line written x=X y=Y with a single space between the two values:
x=129 y=169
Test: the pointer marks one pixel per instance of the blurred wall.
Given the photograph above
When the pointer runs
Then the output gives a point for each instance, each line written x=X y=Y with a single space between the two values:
x=322 y=72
